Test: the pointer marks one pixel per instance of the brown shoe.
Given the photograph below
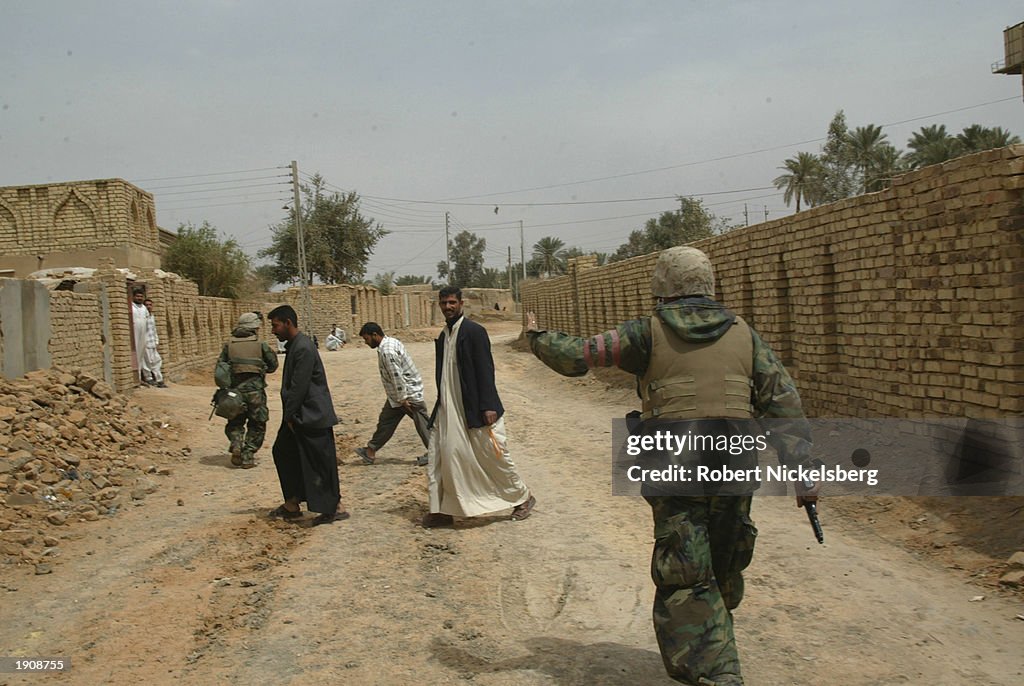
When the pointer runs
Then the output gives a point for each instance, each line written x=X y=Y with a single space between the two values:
x=433 y=520
x=523 y=511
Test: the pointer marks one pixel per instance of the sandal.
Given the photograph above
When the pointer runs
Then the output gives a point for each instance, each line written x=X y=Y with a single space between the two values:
x=522 y=511
x=361 y=452
x=284 y=513
x=328 y=517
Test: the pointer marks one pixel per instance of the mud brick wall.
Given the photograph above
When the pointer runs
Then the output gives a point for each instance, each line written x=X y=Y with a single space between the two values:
x=352 y=306
x=76 y=338
x=72 y=220
x=908 y=302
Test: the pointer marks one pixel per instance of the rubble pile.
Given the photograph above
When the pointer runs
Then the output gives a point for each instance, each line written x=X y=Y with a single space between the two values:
x=68 y=452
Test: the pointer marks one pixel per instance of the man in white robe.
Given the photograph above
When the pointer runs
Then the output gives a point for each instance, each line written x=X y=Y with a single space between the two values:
x=140 y=319
x=469 y=471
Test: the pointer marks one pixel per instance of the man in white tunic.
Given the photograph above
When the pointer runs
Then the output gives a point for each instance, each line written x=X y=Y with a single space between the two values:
x=469 y=469
x=140 y=319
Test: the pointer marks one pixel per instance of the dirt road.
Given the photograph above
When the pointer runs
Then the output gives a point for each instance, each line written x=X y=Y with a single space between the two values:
x=198 y=586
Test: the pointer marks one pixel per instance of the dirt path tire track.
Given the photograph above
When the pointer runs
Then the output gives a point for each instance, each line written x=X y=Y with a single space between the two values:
x=213 y=592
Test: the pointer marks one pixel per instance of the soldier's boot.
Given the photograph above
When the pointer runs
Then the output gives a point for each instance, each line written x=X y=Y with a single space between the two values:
x=247 y=460
x=236 y=453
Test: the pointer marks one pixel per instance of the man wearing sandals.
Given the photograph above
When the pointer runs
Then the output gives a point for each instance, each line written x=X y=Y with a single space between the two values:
x=243 y=366
x=304 y=451
x=469 y=471
x=699 y=349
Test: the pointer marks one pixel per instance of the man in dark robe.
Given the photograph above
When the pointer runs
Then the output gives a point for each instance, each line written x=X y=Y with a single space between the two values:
x=304 y=451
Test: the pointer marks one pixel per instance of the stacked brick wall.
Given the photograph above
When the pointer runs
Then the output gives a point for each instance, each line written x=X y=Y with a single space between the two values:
x=334 y=305
x=76 y=340
x=908 y=302
x=76 y=216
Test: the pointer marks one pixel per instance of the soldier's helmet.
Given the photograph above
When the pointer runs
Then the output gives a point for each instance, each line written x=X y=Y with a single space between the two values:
x=249 y=321
x=683 y=271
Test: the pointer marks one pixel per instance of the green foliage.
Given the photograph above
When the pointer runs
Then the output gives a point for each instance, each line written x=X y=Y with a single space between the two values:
x=338 y=238
x=550 y=255
x=862 y=160
x=219 y=267
x=411 y=280
x=838 y=176
x=691 y=222
x=802 y=179
x=385 y=283
x=466 y=252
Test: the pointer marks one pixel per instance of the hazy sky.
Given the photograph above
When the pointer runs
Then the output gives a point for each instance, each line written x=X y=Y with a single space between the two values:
x=541 y=109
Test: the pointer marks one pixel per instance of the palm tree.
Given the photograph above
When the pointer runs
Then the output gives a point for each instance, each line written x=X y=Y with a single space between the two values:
x=888 y=163
x=932 y=145
x=864 y=144
x=976 y=138
x=550 y=255
x=803 y=179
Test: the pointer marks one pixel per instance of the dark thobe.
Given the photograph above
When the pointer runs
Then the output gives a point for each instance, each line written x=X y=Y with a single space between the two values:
x=304 y=454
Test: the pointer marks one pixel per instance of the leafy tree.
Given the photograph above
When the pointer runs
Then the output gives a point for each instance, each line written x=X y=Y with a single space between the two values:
x=691 y=222
x=932 y=145
x=385 y=283
x=338 y=238
x=219 y=267
x=887 y=163
x=492 y=277
x=802 y=180
x=976 y=138
x=261 y=279
x=466 y=252
x=551 y=254
x=863 y=146
x=410 y=280
x=838 y=179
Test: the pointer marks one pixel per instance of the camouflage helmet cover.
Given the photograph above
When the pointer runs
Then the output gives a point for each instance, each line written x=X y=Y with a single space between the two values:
x=249 y=321
x=683 y=271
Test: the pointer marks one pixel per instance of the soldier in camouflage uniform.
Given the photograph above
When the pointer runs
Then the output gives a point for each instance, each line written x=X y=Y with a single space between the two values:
x=243 y=365
x=702 y=543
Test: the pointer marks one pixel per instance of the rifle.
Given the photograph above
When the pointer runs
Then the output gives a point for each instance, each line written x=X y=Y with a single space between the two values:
x=213 y=405
x=812 y=515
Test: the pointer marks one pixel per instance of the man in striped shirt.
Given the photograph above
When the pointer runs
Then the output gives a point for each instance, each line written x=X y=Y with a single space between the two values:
x=404 y=388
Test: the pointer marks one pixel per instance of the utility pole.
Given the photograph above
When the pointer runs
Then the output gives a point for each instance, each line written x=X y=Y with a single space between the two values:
x=509 y=270
x=522 y=248
x=300 y=241
x=746 y=215
x=447 y=255
x=766 y=213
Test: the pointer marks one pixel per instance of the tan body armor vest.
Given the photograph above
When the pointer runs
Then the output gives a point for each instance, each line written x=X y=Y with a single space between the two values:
x=686 y=380
x=246 y=355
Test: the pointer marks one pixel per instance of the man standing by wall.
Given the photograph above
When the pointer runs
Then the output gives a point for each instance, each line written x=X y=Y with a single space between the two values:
x=694 y=359
x=469 y=469
x=404 y=388
x=304 y=452
x=154 y=362
x=140 y=317
x=243 y=366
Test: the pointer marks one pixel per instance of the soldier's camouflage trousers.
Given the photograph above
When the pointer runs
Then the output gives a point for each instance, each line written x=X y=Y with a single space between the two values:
x=702 y=544
x=256 y=414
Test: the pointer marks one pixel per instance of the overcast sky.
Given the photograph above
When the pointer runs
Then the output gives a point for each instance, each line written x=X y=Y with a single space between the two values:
x=545 y=110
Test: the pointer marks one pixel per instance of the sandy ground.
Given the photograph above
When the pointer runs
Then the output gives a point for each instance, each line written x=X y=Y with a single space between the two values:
x=197 y=585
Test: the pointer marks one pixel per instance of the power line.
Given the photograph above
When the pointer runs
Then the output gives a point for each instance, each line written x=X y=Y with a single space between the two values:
x=213 y=183
x=219 y=190
x=196 y=176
